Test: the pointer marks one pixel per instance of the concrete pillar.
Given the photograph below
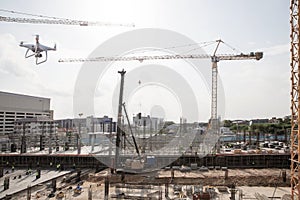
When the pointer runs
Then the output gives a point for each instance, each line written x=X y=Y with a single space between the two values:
x=23 y=140
x=226 y=174
x=284 y=176
x=78 y=142
x=1 y=172
x=54 y=185
x=42 y=143
x=93 y=141
x=23 y=144
x=160 y=194
x=167 y=190
x=6 y=183
x=78 y=176
x=28 y=192
x=106 y=188
x=90 y=139
x=232 y=192
x=90 y=193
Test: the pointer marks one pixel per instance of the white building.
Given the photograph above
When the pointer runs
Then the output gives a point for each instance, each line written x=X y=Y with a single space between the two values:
x=149 y=123
x=18 y=106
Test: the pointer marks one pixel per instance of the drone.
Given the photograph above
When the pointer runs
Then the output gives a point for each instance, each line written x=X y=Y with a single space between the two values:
x=37 y=50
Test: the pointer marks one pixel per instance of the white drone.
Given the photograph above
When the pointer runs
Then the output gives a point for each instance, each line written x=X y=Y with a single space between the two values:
x=37 y=50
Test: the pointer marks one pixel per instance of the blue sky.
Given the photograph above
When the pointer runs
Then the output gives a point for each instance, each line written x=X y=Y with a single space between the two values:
x=252 y=89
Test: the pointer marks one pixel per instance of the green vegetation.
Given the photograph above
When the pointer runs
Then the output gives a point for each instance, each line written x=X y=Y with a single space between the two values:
x=281 y=127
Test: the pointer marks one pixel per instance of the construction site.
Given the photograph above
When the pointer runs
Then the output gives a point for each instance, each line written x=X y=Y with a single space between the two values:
x=144 y=157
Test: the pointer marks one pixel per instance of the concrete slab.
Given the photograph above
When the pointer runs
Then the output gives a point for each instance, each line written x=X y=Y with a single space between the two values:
x=17 y=184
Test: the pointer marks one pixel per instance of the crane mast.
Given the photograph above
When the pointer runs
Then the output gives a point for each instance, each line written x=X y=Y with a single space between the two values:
x=295 y=98
x=214 y=122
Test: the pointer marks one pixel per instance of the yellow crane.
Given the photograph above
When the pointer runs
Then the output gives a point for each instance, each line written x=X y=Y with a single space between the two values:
x=215 y=58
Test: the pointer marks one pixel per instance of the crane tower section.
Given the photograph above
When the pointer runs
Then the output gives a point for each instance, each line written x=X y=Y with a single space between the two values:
x=295 y=98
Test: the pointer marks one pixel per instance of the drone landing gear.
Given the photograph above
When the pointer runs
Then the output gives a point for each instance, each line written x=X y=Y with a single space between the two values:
x=37 y=55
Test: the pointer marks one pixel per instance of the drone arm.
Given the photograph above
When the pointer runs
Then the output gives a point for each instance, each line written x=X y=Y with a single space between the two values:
x=27 y=56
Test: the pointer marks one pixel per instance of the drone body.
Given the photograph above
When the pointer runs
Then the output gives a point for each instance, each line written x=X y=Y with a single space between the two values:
x=37 y=50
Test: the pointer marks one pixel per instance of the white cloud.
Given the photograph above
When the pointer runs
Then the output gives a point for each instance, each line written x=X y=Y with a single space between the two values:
x=12 y=61
x=276 y=50
x=20 y=75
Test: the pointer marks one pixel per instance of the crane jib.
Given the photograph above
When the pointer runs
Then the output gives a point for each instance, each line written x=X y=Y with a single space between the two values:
x=216 y=58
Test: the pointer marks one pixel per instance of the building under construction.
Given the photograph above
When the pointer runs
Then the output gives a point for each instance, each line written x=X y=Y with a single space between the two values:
x=106 y=157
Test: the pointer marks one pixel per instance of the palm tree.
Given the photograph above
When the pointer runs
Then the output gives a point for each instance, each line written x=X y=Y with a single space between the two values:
x=264 y=130
x=244 y=128
x=250 y=133
x=257 y=131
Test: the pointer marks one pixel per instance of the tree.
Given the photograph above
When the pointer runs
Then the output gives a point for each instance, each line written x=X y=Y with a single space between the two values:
x=228 y=123
x=244 y=129
x=257 y=131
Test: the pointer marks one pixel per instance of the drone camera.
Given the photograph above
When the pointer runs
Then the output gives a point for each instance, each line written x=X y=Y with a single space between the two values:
x=38 y=55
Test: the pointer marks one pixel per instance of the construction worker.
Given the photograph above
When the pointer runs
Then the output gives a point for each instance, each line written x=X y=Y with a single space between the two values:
x=58 y=166
x=38 y=174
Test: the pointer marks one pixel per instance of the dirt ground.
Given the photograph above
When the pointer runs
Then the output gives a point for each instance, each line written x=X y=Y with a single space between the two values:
x=144 y=184
x=239 y=177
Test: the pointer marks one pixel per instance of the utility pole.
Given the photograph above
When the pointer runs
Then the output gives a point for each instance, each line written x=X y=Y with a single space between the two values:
x=118 y=139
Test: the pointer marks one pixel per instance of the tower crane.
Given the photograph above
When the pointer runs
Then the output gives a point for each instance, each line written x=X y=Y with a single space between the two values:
x=43 y=19
x=59 y=21
x=215 y=58
x=295 y=98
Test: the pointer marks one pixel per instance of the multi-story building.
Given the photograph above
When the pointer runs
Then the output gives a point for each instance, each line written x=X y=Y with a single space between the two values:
x=39 y=131
x=39 y=125
x=86 y=127
x=149 y=123
x=18 y=106
x=88 y=124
